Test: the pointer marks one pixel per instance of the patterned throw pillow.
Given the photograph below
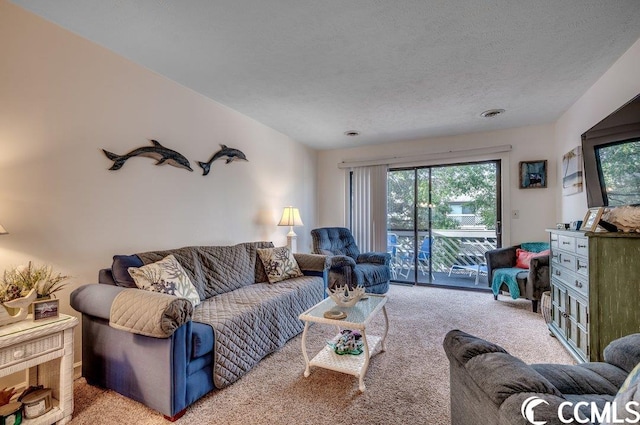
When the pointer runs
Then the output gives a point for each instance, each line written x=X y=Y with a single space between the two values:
x=166 y=276
x=279 y=264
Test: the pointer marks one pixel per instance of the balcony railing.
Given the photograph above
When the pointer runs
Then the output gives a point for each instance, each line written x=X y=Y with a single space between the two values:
x=451 y=250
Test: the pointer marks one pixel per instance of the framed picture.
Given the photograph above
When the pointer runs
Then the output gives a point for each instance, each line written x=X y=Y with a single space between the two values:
x=572 y=171
x=590 y=222
x=45 y=309
x=533 y=174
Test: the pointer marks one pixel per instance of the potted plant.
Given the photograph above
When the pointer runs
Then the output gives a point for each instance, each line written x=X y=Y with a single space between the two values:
x=21 y=285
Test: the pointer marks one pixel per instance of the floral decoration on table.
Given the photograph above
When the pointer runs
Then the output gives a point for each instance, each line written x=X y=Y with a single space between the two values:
x=19 y=281
x=346 y=297
x=347 y=342
x=21 y=286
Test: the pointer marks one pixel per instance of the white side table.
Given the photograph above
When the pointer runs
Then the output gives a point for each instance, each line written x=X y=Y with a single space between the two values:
x=45 y=348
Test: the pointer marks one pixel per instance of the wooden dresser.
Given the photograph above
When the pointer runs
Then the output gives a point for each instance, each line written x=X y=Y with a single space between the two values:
x=595 y=289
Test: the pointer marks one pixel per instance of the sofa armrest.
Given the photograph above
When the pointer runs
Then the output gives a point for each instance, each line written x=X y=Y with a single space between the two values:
x=624 y=352
x=149 y=313
x=95 y=299
x=134 y=310
x=374 y=257
x=462 y=347
x=495 y=371
x=311 y=262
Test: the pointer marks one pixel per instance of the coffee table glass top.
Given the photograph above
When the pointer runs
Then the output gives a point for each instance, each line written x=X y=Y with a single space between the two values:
x=359 y=314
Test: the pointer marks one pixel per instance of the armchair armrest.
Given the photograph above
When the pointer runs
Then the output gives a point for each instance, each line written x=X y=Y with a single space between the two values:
x=340 y=261
x=539 y=276
x=374 y=257
x=499 y=258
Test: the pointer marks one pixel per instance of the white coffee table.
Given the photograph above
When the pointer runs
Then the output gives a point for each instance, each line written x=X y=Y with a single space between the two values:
x=358 y=317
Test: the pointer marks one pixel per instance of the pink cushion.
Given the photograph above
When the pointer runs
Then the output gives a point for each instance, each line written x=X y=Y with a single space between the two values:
x=523 y=258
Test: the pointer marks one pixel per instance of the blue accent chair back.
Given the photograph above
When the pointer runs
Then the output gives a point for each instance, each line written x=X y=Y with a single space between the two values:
x=347 y=266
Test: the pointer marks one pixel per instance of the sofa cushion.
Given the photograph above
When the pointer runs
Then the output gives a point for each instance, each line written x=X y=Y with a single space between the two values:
x=167 y=277
x=279 y=264
x=120 y=269
x=214 y=270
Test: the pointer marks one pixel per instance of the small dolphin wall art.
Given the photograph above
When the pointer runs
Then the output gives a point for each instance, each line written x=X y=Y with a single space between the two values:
x=158 y=152
x=230 y=153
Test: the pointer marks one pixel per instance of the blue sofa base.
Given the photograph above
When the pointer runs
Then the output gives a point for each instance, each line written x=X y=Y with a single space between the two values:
x=110 y=358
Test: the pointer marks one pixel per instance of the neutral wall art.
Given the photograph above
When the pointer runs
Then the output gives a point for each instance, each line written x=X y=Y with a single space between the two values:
x=572 y=171
x=158 y=152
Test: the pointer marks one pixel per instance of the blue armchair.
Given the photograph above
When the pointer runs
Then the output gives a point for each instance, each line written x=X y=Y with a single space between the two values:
x=347 y=266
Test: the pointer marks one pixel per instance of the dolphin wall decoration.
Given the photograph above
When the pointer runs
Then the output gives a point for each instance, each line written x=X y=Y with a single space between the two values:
x=158 y=152
x=230 y=153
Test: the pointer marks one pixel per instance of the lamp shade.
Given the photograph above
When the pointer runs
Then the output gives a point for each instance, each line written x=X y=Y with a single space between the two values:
x=3 y=231
x=290 y=217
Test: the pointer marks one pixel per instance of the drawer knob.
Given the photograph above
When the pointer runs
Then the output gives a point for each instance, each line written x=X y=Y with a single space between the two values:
x=581 y=246
x=557 y=272
x=566 y=243
x=578 y=284
x=564 y=260
x=18 y=354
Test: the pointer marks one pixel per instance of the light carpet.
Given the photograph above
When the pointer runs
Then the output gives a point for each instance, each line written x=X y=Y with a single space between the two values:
x=408 y=383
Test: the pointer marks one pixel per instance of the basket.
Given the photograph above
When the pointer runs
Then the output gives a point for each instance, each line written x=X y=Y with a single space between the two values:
x=545 y=306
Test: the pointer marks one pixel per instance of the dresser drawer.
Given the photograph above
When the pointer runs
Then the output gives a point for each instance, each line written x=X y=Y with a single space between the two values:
x=30 y=349
x=568 y=261
x=580 y=285
x=554 y=240
x=582 y=266
x=582 y=246
x=567 y=243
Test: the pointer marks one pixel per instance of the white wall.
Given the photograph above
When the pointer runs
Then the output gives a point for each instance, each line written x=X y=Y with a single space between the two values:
x=63 y=98
x=616 y=87
x=536 y=206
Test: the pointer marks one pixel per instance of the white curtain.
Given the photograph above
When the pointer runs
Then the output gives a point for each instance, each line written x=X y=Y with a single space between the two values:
x=369 y=208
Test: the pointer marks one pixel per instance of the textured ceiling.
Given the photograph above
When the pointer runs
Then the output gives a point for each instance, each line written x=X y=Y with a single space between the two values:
x=393 y=70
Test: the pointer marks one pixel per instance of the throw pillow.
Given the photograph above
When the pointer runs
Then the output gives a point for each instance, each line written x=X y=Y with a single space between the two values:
x=279 y=263
x=523 y=258
x=166 y=276
x=120 y=269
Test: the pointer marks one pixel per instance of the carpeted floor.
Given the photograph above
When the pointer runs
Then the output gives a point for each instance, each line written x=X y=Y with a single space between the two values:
x=409 y=383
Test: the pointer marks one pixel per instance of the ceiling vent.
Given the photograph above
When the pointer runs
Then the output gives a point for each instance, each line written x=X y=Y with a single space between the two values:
x=492 y=113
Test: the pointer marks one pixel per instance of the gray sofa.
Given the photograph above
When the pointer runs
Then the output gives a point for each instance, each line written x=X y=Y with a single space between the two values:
x=489 y=386
x=159 y=350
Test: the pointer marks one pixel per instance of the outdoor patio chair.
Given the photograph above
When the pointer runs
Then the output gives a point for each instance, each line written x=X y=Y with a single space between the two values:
x=347 y=266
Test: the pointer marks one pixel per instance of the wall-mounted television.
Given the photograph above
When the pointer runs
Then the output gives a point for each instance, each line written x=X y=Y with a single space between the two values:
x=611 y=153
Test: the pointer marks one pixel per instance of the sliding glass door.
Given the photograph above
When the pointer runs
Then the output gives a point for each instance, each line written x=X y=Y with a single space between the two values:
x=440 y=222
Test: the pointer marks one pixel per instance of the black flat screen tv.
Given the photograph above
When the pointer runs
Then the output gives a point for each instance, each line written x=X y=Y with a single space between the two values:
x=611 y=154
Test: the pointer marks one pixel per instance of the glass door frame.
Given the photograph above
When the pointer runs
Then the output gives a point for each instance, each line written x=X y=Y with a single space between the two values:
x=416 y=231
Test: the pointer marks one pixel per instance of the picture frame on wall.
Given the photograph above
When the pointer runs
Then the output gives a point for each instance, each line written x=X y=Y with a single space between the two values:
x=45 y=309
x=591 y=219
x=533 y=174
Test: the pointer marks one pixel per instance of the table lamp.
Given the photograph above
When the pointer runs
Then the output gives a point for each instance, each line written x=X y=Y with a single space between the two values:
x=291 y=217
